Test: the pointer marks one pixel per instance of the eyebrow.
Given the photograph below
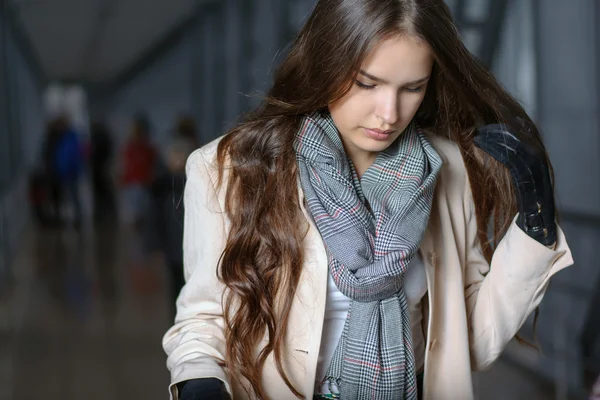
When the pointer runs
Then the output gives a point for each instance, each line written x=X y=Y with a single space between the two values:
x=380 y=80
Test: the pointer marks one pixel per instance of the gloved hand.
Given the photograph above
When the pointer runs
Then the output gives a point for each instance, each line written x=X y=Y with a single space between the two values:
x=531 y=177
x=203 y=389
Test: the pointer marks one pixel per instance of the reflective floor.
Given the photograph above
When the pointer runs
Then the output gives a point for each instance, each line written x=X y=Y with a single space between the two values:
x=88 y=320
x=87 y=317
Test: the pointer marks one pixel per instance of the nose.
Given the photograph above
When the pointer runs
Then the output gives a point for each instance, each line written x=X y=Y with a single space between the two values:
x=388 y=105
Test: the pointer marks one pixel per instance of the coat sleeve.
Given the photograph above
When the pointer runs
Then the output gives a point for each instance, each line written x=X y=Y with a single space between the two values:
x=196 y=344
x=500 y=297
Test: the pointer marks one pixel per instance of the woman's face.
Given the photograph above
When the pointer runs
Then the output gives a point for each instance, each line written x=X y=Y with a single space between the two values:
x=388 y=91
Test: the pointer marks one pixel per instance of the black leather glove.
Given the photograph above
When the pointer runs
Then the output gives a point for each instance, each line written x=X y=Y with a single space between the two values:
x=531 y=178
x=203 y=389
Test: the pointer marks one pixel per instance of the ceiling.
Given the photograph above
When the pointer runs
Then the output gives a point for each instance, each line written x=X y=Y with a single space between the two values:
x=96 y=40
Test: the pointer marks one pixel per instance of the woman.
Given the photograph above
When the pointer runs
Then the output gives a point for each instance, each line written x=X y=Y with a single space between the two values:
x=335 y=242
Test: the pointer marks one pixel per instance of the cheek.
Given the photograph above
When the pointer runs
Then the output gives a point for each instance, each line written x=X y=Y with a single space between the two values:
x=362 y=105
x=351 y=108
x=410 y=105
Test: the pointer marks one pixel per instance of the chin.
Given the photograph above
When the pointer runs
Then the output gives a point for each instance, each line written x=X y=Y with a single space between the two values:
x=374 y=145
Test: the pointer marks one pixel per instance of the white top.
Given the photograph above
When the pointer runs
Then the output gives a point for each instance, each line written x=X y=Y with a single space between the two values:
x=336 y=310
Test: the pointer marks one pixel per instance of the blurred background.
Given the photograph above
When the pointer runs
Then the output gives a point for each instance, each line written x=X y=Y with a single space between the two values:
x=101 y=101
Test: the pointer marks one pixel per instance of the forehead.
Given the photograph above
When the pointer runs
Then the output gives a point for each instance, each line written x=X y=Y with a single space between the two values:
x=399 y=59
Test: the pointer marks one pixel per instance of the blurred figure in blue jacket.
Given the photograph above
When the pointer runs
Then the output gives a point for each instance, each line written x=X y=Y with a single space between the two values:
x=63 y=163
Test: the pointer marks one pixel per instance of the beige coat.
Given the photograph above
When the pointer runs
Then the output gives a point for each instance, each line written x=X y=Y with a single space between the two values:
x=472 y=310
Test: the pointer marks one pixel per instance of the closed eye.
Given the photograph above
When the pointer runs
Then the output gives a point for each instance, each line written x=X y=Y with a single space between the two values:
x=416 y=89
x=364 y=85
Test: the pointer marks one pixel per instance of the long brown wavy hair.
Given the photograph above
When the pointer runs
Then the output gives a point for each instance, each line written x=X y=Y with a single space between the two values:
x=263 y=257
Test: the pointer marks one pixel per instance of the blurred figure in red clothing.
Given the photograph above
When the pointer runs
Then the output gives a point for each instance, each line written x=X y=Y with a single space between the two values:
x=139 y=165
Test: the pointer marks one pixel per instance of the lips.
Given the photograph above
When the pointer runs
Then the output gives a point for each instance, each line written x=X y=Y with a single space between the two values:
x=380 y=131
x=378 y=134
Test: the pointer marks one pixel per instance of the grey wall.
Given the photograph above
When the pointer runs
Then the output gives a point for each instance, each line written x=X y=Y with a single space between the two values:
x=162 y=91
x=515 y=62
x=213 y=73
x=21 y=130
x=568 y=76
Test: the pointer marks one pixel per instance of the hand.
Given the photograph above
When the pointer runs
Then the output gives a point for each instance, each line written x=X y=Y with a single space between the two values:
x=531 y=178
x=203 y=389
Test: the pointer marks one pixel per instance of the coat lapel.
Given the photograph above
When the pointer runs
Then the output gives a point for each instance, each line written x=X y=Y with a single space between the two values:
x=307 y=322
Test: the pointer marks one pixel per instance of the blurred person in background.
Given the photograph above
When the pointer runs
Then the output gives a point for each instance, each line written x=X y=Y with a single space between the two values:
x=39 y=197
x=186 y=132
x=70 y=166
x=101 y=157
x=139 y=166
x=168 y=192
x=140 y=162
x=49 y=178
x=64 y=163
x=336 y=241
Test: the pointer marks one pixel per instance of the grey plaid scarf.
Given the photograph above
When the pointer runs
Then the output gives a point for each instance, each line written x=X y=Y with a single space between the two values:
x=369 y=250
